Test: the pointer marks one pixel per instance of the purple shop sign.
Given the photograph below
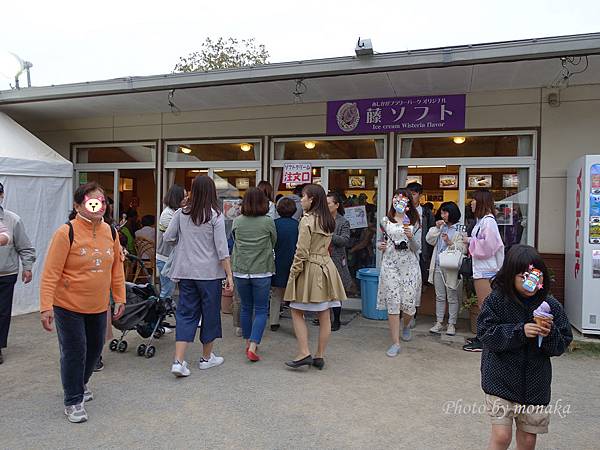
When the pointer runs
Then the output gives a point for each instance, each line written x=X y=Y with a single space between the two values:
x=400 y=114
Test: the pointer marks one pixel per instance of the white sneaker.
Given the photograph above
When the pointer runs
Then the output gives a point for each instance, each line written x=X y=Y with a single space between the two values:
x=76 y=413
x=437 y=328
x=451 y=331
x=87 y=394
x=214 y=361
x=168 y=330
x=180 y=369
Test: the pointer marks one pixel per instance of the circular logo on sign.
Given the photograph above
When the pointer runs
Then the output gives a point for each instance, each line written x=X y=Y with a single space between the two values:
x=348 y=117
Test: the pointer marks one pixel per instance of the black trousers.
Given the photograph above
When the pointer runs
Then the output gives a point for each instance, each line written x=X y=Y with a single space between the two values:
x=7 y=288
x=80 y=338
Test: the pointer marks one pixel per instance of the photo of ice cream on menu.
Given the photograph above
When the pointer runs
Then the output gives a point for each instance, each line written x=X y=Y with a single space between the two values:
x=480 y=181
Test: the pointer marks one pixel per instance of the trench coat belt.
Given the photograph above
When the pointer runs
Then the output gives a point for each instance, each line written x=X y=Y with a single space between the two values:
x=321 y=261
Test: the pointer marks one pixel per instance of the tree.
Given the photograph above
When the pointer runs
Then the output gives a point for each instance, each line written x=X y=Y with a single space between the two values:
x=224 y=54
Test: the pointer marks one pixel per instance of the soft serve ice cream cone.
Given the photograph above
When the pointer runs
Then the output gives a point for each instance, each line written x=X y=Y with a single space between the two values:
x=542 y=315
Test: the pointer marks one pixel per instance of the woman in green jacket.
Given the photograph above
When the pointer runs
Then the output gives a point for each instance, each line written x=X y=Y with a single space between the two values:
x=253 y=266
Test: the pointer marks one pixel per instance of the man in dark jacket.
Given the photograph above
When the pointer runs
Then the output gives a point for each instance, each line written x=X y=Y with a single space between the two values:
x=427 y=221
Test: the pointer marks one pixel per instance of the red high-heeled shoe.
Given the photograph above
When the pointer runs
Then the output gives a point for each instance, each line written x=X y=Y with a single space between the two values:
x=252 y=356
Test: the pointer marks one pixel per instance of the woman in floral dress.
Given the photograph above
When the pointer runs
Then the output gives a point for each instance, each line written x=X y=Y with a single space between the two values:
x=400 y=276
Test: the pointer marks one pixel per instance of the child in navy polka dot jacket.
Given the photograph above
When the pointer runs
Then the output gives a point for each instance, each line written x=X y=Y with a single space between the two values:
x=516 y=372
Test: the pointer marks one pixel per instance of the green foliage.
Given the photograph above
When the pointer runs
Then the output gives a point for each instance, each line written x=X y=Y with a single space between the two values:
x=224 y=54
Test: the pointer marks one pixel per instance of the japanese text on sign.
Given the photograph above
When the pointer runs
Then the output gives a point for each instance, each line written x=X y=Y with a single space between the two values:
x=406 y=114
x=297 y=173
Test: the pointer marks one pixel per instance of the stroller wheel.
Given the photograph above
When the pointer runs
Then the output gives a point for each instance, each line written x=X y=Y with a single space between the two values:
x=141 y=350
x=122 y=347
x=150 y=351
x=160 y=332
x=113 y=345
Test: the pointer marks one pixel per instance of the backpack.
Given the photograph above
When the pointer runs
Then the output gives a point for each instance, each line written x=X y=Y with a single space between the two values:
x=113 y=232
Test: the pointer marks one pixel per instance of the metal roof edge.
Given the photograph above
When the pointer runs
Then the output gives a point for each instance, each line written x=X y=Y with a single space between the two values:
x=507 y=51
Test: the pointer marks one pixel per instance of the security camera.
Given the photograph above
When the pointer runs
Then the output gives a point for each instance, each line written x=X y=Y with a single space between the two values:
x=364 y=47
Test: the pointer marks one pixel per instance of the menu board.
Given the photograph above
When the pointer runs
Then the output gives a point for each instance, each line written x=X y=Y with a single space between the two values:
x=448 y=181
x=242 y=183
x=504 y=213
x=414 y=179
x=510 y=180
x=357 y=216
x=480 y=181
x=357 y=181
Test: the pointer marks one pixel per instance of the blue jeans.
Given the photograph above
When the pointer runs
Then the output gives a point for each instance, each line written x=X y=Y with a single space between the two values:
x=254 y=295
x=80 y=339
x=167 y=287
x=198 y=299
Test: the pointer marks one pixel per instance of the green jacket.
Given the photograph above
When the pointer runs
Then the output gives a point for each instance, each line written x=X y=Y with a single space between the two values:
x=254 y=240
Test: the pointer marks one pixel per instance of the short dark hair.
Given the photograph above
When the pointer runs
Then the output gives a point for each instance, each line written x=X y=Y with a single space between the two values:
x=255 y=203
x=286 y=207
x=148 y=220
x=518 y=259
x=299 y=189
x=81 y=192
x=484 y=203
x=453 y=212
x=174 y=196
x=415 y=187
x=337 y=200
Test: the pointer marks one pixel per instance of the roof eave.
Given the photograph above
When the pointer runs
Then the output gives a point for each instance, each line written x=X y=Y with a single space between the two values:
x=512 y=51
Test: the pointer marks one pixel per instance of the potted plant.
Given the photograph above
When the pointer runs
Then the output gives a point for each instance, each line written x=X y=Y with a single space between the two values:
x=470 y=303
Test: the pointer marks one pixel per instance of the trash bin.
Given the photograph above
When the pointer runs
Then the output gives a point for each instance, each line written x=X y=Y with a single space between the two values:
x=369 y=281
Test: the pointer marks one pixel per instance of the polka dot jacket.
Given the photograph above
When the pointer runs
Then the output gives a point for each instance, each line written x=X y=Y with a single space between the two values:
x=513 y=367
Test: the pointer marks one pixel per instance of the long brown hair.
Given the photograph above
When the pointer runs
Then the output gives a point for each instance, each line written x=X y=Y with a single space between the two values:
x=412 y=212
x=319 y=207
x=202 y=201
x=484 y=203
x=267 y=188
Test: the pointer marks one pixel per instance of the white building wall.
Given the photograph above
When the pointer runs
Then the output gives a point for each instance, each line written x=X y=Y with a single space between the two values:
x=567 y=132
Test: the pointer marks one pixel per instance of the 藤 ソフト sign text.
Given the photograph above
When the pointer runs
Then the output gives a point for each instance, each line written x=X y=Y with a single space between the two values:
x=400 y=114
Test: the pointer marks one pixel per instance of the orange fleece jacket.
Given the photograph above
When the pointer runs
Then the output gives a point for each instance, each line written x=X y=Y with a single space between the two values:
x=79 y=277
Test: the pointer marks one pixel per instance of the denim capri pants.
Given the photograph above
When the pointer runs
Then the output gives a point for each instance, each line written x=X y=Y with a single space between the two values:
x=199 y=299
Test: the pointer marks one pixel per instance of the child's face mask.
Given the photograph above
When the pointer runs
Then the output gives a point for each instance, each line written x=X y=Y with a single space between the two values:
x=531 y=281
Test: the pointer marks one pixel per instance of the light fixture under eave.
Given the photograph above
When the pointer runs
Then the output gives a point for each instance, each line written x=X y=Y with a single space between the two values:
x=314 y=172
x=245 y=147
x=310 y=144
x=186 y=150
x=459 y=139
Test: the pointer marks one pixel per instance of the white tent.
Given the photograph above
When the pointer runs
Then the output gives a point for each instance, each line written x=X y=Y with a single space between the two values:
x=38 y=187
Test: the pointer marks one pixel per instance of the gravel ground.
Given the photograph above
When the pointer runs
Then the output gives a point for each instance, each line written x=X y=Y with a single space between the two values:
x=362 y=399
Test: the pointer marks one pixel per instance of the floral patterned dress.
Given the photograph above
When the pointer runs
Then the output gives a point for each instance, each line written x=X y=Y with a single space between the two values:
x=400 y=275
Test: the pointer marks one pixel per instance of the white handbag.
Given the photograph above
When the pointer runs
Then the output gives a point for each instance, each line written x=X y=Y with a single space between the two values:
x=451 y=259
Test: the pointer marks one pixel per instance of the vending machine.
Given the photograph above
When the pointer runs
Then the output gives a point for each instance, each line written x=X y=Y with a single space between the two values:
x=582 y=245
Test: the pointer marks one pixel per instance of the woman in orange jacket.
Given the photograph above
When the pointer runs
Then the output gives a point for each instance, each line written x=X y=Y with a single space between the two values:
x=83 y=264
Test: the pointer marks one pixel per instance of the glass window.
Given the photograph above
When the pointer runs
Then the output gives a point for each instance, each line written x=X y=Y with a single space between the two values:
x=466 y=146
x=330 y=149
x=440 y=183
x=510 y=188
x=238 y=151
x=116 y=154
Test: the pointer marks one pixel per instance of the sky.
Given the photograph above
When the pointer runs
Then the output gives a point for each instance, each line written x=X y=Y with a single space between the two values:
x=75 y=41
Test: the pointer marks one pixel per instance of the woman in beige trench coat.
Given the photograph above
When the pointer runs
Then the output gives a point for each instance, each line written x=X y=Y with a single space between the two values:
x=314 y=283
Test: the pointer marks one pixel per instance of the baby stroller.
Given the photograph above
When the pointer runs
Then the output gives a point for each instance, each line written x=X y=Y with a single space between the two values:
x=144 y=312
